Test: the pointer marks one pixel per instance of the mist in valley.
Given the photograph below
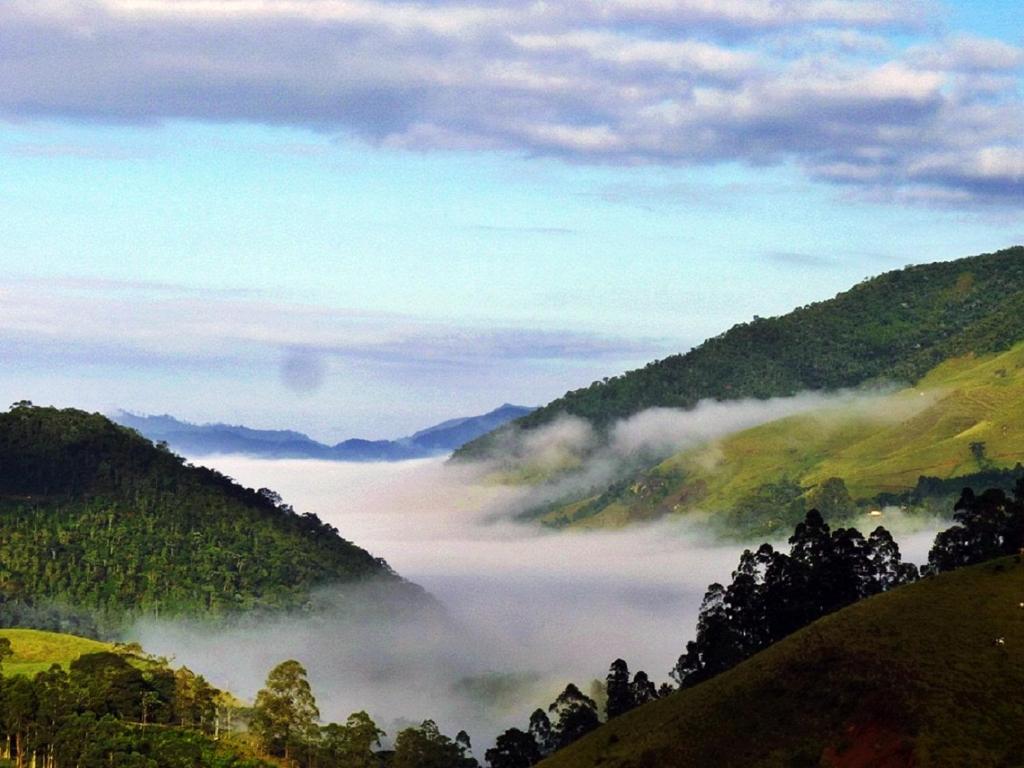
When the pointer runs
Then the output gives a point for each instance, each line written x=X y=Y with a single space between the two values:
x=525 y=610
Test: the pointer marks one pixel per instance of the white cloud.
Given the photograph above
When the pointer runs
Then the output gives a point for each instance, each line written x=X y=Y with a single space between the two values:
x=822 y=83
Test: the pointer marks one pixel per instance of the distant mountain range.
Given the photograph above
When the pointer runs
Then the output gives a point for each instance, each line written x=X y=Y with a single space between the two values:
x=204 y=439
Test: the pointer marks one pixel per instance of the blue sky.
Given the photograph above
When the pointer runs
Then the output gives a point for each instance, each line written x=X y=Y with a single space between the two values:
x=357 y=217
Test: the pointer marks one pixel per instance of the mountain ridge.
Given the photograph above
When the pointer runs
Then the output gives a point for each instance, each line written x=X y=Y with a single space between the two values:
x=218 y=438
x=892 y=327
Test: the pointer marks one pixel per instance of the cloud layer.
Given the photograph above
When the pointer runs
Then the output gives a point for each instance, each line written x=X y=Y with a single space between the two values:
x=529 y=610
x=825 y=84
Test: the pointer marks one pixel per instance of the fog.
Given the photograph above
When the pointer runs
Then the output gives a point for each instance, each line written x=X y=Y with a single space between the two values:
x=525 y=610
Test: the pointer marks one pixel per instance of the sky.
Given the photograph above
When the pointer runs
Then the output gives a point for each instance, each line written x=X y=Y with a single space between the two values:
x=360 y=217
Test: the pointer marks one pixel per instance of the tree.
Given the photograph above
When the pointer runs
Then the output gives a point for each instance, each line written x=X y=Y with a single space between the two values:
x=989 y=524
x=425 y=747
x=576 y=716
x=620 y=695
x=465 y=747
x=352 y=744
x=542 y=732
x=832 y=499
x=643 y=689
x=513 y=749
x=285 y=713
x=773 y=594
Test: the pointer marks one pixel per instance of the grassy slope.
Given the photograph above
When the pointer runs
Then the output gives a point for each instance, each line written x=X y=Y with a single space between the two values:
x=882 y=447
x=36 y=651
x=912 y=677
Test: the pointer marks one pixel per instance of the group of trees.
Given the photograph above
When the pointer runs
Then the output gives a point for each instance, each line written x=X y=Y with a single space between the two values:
x=285 y=722
x=773 y=593
x=94 y=516
x=113 y=708
x=572 y=716
x=988 y=525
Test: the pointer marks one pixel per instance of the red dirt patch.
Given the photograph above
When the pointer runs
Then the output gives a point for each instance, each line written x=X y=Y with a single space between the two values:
x=870 y=745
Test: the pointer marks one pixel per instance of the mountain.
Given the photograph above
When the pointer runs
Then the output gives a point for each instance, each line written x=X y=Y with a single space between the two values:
x=99 y=526
x=894 y=327
x=207 y=439
x=964 y=418
x=908 y=678
x=952 y=331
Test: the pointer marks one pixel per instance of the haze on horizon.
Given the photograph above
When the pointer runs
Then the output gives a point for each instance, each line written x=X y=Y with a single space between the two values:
x=359 y=218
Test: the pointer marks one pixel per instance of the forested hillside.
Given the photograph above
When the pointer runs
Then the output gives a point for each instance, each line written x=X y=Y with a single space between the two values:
x=963 y=423
x=98 y=525
x=906 y=678
x=896 y=326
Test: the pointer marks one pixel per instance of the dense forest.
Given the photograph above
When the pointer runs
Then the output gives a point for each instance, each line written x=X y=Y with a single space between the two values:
x=892 y=327
x=98 y=525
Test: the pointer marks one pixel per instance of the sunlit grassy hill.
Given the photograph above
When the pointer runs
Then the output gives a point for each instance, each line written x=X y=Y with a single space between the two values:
x=963 y=417
x=36 y=651
x=928 y=675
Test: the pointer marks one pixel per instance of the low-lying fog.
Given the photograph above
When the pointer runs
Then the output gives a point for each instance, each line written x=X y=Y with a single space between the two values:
x=529 y=610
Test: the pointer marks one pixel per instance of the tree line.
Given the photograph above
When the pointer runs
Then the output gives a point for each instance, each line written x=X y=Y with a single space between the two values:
x=116 y=708
x=773 y=594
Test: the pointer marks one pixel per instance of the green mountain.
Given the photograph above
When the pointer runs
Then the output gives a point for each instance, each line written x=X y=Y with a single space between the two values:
x=99 y=526
x=894 y=327
x=929 y=674
x=963 y=419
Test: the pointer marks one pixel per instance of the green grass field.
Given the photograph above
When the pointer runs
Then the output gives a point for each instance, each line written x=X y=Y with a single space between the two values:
x=877 y=445
x=914 y=677
x=36 y=651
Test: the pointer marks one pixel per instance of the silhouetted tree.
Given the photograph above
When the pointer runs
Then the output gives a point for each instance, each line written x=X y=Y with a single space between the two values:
x=643 y=689
x=426 y=747
x=513 y=749
x=773 y=594
x=988 y=525
x=575 y=716
x=620 y=694
x=542 y=731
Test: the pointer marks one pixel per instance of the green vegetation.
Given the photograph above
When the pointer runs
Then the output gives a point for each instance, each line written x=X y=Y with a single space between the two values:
x=92 y=705
x=36 y=651
x=893 y=327
x=98 y=525
x=964 y=419
x=917 y=676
